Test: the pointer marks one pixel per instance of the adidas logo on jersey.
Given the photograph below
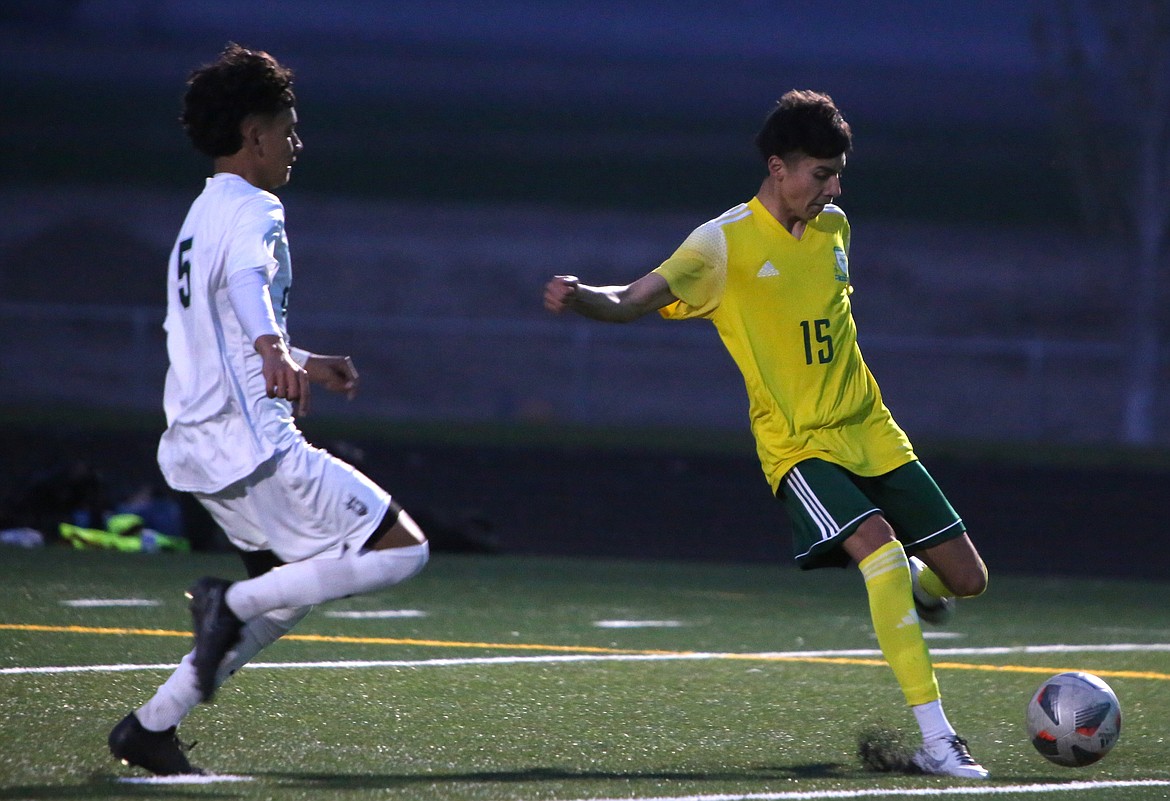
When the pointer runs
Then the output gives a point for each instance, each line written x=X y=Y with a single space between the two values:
x=767 y=270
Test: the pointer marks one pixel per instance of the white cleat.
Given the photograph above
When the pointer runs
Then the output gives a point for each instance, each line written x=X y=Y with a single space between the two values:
x=932 y=610
x=948 y=756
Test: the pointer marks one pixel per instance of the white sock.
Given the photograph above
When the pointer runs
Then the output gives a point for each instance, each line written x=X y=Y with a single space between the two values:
x=933 y=721
x=315 y=581
x=179 y=694
x=173 y=700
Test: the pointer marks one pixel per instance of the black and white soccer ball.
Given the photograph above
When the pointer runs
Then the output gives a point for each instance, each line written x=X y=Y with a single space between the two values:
x=1074 y=719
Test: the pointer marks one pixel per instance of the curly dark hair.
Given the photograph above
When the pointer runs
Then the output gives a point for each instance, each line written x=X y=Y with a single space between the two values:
x=220 y=95
x=807 y=122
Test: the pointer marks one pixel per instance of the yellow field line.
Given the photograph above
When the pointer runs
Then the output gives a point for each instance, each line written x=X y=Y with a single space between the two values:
x=1110 y=674
x=589 y=649
x=576 y=649
x=516 y=646
x=91 y=630
x=849 y=660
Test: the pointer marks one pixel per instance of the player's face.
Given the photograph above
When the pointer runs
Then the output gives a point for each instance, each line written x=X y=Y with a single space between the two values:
x=279 y=148
x=806 y=184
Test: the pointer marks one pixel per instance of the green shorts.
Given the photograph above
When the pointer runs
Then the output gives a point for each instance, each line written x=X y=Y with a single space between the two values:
x=827 y=503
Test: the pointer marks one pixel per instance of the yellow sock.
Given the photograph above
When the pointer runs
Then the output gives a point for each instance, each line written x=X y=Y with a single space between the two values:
x=929 y=581
x=899 y=635
x=933 y=585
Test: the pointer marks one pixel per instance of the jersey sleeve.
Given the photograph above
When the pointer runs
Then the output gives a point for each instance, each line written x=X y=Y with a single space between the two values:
x=696 y=273
x=248 y=294
x=254 y=236
x=840 y=225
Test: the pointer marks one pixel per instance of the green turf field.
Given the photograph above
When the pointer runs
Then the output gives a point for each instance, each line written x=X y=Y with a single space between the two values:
x=539 y=678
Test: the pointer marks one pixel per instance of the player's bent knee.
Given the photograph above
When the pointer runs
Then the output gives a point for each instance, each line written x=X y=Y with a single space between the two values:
x=404 y=532
x=400 y=563
x=971 y=582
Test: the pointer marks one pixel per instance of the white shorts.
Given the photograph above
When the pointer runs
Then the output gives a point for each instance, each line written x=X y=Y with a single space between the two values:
x=301 y=503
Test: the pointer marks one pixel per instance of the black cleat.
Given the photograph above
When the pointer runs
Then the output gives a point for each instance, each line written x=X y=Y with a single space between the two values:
x=159 y=752
x=217 y=630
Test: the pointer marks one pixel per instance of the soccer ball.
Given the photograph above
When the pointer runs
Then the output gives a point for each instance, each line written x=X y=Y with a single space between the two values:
x=1074 y=719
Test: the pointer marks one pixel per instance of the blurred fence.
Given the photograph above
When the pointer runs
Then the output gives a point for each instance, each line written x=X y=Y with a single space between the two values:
x=647 y=374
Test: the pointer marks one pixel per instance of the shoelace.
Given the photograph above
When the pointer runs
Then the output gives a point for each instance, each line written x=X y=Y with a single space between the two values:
x=184 y=747
x=959 y=746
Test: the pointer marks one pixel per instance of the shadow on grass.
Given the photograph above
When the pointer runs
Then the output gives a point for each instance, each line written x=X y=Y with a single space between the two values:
x=108 y=787
x=342 y=781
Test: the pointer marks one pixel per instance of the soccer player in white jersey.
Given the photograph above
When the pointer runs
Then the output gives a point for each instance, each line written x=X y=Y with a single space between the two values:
x=772 y=275
x=232 y=388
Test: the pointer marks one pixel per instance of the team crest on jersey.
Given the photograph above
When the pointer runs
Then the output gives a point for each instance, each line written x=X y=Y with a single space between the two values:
x=356 y=506
x=841 y=273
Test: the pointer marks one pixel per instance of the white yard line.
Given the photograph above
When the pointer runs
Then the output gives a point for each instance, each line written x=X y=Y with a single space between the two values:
x=377 y=614
x=638 y=624
x=572 y=658
x=97 y=603
x=980 y=790
x=185 y=778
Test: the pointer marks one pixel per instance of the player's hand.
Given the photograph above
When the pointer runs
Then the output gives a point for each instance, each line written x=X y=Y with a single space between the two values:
x=559 y=292
x=283 y=377
x=335 y=373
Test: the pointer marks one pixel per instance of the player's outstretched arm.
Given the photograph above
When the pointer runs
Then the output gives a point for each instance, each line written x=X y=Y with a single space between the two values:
x=613 y=304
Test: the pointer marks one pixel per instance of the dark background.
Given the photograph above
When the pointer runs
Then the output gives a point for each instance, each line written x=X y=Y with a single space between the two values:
x=529 y=493
x=457 y=153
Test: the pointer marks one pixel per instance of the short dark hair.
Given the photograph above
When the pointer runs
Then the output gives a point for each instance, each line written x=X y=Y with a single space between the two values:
x=221 y=95
x=804 y=121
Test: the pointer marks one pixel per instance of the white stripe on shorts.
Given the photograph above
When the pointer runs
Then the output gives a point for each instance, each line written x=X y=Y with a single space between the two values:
x=922 y=542
x=812 y=505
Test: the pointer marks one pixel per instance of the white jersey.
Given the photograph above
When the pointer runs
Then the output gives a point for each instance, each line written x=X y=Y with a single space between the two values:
x=220 y=423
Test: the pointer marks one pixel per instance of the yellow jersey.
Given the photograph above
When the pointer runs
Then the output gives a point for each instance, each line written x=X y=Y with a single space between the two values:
x=781 y=307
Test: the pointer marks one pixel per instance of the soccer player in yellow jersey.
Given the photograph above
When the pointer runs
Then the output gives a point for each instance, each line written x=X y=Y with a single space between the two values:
x=772 y=275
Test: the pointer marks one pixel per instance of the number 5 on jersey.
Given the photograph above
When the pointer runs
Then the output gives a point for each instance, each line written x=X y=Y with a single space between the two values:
x=185 y=272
